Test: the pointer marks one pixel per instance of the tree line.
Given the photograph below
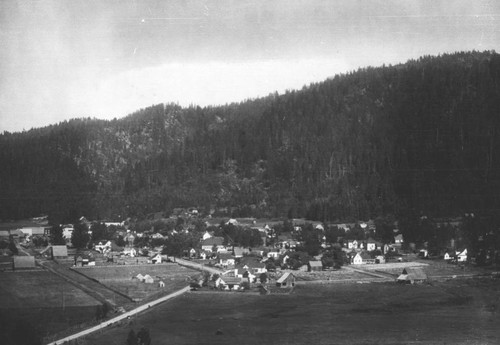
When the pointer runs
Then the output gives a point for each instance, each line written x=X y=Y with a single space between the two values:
x=421 y=137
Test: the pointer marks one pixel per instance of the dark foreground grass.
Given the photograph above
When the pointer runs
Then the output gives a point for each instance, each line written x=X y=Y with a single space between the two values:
x=34 y=304
x=453 y=312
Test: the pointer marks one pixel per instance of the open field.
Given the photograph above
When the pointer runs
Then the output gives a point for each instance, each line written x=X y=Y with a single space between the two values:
x=433 y=268
x=39 y=289
x=450 y=312
x=121 y=278
x=341 y=274
x=41 y=303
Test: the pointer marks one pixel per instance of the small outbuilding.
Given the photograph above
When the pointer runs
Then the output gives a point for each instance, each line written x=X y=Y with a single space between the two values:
x=412 y=275
x=148 y=279
x=287 y=280
x=315 y=266
x=59 y=252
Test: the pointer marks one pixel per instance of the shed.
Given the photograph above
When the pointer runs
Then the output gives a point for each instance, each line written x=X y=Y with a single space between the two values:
x=412 y=275
x=315 y=266
x=24 y=262
x=148 y=279
x=286 y=280
x=59 y=251
x=140 y=277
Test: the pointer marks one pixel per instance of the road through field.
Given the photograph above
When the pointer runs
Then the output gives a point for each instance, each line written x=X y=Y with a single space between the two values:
x=120 y=317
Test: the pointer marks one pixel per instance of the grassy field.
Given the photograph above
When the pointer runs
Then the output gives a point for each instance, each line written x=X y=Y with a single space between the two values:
x=121 y=278
x=39 y=289
x=461 y=311
x=342 y=274
x=41 y=303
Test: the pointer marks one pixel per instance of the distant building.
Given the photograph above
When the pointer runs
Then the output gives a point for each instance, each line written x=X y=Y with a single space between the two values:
x=59 y=252
x=212 y=242
x=315 y=266
x=412 y=275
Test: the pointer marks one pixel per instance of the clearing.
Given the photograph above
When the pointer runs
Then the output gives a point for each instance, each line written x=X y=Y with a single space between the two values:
x=459 y=311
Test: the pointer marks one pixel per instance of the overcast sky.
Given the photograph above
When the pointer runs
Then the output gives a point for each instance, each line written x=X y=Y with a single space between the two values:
x=62 y=59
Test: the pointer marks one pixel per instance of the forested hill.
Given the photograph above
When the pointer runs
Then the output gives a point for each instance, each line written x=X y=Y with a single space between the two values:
x=421 y=136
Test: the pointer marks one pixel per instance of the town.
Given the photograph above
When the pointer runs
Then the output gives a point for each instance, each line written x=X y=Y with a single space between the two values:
x=121 y=265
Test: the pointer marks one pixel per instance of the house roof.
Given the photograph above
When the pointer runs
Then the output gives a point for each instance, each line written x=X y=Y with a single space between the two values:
x=251 y=262
x=284 y=277
x=415 y=273
x=59 y=251
x=213 y=240
x=315 y=264
x=231 y=280
x=225 y=256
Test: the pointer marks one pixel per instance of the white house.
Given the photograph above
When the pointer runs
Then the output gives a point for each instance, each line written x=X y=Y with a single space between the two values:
x=371 y=244
x=357 y=259
x=462 y=256
x=157 y=259
x=228 y=283
x=206 y=235
x=352 y=244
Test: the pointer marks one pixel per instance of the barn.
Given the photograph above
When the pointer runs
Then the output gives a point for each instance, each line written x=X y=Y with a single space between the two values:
x=412 y=275
x=59 y=252
x=315 y=266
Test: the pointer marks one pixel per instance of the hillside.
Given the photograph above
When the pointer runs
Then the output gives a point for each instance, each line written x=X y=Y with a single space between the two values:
x=422 y=136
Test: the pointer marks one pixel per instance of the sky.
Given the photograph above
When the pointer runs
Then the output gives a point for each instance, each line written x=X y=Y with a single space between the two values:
x=63 y=59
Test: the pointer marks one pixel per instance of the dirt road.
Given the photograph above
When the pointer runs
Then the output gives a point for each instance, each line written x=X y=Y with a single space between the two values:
x=120 y=317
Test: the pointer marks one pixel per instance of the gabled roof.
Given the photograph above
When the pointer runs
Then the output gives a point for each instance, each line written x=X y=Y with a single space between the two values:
x=415 y=273
x=59 y=251
x=251 y=262
x=225 y=256
x=213 y=240
x=398 y=237
x=284 y=277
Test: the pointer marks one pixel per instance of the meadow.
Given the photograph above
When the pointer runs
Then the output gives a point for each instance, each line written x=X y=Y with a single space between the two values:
x=457 y=311
x=40 y=303
x=121 y=278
